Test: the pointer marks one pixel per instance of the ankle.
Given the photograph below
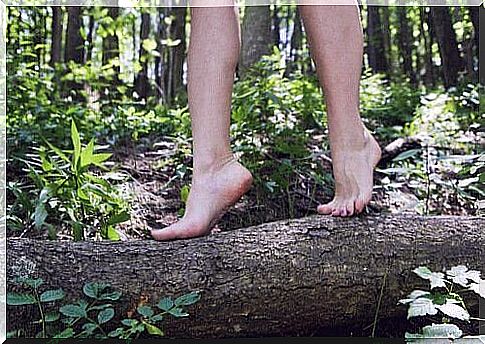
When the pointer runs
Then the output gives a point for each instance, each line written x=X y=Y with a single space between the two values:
x=355 y=139
x=210 y=165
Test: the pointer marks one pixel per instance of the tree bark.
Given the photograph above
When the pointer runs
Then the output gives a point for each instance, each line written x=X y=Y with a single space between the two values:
x=474 y=14
x=375 y=41
x=74 y=47
x=295 y=44
x=177 y=53
x=405 y=43
x=74 y=41
x=429 y=79
x=111 y=50
x=256 y=36
x=141 y=83
x=56 y=34
x=448 y=45
x=282 y=278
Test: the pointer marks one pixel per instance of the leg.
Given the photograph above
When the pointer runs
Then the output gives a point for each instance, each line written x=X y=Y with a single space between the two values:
x=218 y=179
x=336 y=42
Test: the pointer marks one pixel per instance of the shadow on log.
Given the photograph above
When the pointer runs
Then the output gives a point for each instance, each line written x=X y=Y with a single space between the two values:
x=282 y=278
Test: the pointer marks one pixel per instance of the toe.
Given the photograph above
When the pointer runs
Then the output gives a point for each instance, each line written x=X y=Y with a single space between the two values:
x=359 y=205
x=180 y=230
x=168 y=233
x=350 y=208
x=326 y=209
x=336 y=210
x=343 y=211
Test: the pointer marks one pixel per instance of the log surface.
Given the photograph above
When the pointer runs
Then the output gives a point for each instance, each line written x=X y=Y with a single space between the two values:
x=282 y=278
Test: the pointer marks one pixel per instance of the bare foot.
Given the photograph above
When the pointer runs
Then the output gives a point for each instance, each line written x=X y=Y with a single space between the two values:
x=212 y=193
x=353 y=173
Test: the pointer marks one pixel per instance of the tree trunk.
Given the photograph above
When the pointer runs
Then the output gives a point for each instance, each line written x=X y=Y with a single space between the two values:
x=474 y=14
x=74 y=49
x=90 y=39
x=386 y=40
x=448 y=46
x=283 y=278
x=141 y=83
x=177 y=53
x=429 y=79
x=405 y=39
x=275 y=29
x=56 y=34
x=74 y=41
x=295 y=44
x=256 y=36
x=375 y=42
x=111 y=50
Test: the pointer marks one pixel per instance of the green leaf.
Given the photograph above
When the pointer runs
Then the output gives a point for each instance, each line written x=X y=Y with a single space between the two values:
x=97 y=159
x=407 y=154
x=73 y=311
x=152 y=329
x=32 y=282
x=422 y=306
x=145 y=311
x=52 y=316
x=67 y=333
x=414 y=295
x=106 y=315
x=451 y=309
x=16 y=299
x=129 y=322
x=436 y=278
x=178 y=312
x=78 y=231
x=478 y=288
x=94 y=289
x=112 y=234
x=460 y=275
x=40 y=215
x=165 y=304
x=187 y=299
x=184 y=193
x=442 y=330
x=113 y=296
x=76 y=141
x=52 y=295
x=119 y=218
x=56 y=150
x=116 y=333
x=157 y=317
x=89 y=328
x=87 y=154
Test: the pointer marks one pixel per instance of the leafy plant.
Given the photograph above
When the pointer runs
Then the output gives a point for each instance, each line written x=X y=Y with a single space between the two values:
x=443 y=298
x=91 y=316
x=73 y=196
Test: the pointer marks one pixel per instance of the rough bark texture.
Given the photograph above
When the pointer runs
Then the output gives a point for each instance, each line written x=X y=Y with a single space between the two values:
x=448 y=45
x=256 y=36
x=141 y=83
x=282 y=278
x=375 y=46
x=405 y=38
x=74 y=41
x=56 y=35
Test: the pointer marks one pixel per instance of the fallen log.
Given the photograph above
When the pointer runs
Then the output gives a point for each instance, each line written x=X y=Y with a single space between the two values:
x=282 y=278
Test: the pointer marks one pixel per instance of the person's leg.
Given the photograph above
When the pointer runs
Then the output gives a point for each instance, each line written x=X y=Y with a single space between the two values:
x=218 y=179
x=336 y=43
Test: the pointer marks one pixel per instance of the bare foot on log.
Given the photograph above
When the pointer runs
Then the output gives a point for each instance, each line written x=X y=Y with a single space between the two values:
x=213 y=192
x=353 y=168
